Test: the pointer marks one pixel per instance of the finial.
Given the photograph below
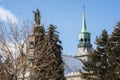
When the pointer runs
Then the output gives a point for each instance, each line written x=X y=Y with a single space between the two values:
x=84 y=8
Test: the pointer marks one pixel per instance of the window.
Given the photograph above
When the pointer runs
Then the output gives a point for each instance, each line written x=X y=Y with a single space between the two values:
x=31 y=45
x=81 y=40
x=85 y=39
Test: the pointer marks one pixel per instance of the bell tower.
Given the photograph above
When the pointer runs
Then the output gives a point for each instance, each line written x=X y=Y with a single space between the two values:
x=35 y=37
x=84 y=45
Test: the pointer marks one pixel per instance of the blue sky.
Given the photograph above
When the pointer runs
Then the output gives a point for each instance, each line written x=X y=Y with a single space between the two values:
x=67 y=16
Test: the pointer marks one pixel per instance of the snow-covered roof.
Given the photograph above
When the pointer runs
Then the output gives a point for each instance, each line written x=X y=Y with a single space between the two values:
x=72 y=64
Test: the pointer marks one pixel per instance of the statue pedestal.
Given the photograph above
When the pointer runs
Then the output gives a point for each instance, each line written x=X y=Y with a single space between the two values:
x=38 y=25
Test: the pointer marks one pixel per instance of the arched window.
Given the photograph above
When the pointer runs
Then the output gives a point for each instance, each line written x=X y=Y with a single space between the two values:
x=89 y=39
x=81 y=40
x=85 y=39
x=31 y=45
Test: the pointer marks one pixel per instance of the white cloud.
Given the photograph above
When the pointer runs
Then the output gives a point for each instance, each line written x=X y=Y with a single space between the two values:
x=6 y=15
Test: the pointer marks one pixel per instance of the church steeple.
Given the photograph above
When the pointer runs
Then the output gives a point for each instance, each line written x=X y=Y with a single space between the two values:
x=84 y=28
x=84 y=36
x=84 y=45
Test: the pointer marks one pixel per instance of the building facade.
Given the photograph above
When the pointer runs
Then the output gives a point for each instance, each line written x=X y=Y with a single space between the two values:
x=84 y=45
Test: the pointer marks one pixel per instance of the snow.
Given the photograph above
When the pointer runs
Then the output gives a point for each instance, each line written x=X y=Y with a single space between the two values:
x=71 y=64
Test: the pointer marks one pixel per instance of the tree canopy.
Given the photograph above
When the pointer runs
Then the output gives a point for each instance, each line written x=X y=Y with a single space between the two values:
x=105 y=63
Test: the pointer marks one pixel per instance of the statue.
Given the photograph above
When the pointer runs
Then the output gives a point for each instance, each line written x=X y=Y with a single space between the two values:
x=37 y=16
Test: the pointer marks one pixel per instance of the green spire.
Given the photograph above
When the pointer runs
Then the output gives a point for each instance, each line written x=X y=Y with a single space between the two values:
x=84 y=36
x=84 y=28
